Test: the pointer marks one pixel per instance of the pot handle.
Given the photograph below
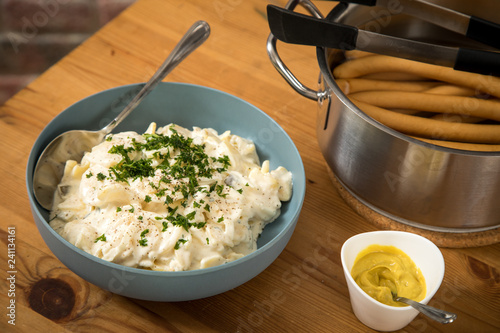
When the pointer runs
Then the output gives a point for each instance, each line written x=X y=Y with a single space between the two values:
x=280 y=65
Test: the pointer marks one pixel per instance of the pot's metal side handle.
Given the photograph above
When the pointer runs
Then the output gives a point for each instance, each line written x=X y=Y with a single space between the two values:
x=280 y=65
x=285 y=72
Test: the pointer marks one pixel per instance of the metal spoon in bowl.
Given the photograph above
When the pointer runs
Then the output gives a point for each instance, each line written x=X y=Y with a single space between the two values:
x=72 y=145
x=441 y=316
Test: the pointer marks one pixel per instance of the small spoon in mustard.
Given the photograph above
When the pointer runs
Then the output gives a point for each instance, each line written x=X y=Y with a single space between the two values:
x=441 y=316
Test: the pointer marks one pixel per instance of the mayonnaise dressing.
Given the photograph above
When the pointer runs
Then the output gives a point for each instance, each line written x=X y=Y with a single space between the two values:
x=198 y=201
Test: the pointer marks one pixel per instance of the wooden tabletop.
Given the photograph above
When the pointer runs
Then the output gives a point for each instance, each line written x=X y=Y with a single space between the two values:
x=304 y=290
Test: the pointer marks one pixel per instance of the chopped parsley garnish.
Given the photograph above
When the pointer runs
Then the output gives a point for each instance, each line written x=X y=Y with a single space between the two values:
x=219 y=189
x=190 y=161
x=173 y=165
x=118 y=209
x=178 y=220
x=179 y=242
x=144 y=241
x=191 y=215
x=182 y=160
x=89 y=175
x=220 y=219
x=128 y=168
x=101 y=176
x=100 y=238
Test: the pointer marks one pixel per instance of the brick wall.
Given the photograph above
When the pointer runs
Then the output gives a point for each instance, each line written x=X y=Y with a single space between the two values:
x=34 y=34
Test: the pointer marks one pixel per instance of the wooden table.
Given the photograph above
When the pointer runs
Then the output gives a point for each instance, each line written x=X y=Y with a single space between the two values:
x=304 y=290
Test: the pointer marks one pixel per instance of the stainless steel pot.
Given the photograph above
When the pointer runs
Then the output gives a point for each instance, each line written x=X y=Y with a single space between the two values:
x=412 y=182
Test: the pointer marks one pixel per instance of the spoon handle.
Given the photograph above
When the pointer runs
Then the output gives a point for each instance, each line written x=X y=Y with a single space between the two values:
x=194 y=37
x=444 y=317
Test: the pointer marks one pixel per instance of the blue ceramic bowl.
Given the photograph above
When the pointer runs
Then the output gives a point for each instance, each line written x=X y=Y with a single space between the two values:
x=186 y=105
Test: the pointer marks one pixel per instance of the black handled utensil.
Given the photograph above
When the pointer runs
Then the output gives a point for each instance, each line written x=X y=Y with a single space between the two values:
x=471 y=26
x=296 y=28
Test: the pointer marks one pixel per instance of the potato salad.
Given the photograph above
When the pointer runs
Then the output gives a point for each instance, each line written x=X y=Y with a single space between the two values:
x=170 y=199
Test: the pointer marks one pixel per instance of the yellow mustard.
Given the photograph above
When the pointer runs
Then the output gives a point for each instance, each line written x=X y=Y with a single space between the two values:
x=380 y=270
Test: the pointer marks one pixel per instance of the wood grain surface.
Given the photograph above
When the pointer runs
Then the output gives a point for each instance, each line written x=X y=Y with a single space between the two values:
x=304 y=290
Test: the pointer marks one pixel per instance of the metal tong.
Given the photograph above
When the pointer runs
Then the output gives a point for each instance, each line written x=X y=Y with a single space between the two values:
x=471 y=26
x=296 y=28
